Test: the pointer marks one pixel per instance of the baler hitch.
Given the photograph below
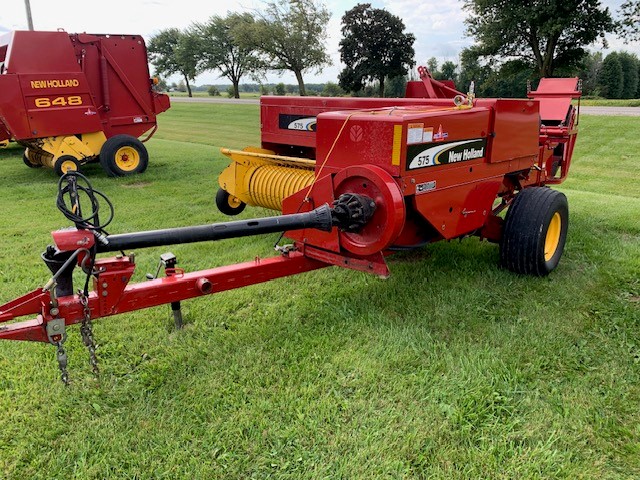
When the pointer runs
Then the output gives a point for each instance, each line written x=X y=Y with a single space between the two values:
x=56 y=306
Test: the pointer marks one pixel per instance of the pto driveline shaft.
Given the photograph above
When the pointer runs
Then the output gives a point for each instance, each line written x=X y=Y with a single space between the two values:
x=320 y=218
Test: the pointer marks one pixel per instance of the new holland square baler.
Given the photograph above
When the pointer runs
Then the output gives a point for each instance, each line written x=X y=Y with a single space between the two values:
x=377 y=175
x=76 y=98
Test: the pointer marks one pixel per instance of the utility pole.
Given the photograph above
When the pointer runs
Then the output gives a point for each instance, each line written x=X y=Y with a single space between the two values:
x=29 y=19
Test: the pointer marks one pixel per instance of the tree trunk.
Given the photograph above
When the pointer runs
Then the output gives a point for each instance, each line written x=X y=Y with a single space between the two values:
x=381 y=87
x=301 y=88
x=186 y=82
x=236 y=89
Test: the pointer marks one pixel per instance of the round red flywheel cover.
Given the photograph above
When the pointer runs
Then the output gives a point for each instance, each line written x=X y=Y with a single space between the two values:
x=389 y=217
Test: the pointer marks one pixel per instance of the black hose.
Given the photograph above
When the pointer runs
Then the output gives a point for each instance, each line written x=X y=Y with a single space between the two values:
x=73 y=211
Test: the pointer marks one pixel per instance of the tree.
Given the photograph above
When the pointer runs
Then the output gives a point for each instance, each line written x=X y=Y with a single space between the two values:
x=291 y=35
x=432 y=65
x=471 y=70
x=589 y=73
x=332 y=90
x=448 y=71
x=544 y=33
x=509 y=80
x=173 y=51
x=611 y=80
x=395 y=87
x=628 y=27
x=374 y=46
x=629 y=64
x=223 y=51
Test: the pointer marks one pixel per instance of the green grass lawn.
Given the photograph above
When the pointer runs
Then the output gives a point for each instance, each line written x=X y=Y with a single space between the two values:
x=451 y=368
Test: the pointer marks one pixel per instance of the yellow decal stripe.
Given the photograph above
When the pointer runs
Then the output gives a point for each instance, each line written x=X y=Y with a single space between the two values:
x=397 y=145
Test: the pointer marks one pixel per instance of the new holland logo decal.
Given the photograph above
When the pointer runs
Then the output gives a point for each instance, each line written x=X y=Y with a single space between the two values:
x=297 y=122
x=430 y=155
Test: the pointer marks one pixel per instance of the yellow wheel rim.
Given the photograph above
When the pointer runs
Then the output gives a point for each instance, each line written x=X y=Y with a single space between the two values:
x=553 y=237
x=68 y=165
x=127 y=159
x=234 y=202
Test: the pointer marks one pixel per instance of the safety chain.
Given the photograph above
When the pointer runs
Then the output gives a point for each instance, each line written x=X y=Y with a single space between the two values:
x=86 y=330
x=61 y=355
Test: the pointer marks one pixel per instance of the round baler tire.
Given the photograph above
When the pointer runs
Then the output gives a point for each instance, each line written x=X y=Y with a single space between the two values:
x=535 y=231
x=228 y=204
x=123 y=155
x=65 y=163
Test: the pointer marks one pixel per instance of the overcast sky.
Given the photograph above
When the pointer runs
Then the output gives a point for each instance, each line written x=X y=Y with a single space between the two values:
x=437 y=24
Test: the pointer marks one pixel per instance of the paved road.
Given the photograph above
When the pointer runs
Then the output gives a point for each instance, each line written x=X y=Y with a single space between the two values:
x=627 y=111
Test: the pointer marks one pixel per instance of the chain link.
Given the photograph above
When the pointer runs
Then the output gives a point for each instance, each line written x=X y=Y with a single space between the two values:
x=61 y=355
x=86 y=330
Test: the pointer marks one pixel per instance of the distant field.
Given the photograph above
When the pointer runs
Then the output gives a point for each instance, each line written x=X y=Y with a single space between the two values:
x=450 y=369
x=601 y=102
x=223 y=93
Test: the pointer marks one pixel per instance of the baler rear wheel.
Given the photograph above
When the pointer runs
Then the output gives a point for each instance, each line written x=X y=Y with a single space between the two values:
x=64 y=164
x=123 y=155
x=228 y=204
x=535 y=231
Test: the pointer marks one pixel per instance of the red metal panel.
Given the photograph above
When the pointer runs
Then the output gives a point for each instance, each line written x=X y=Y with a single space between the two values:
x=12 y=109
x=40 y=52
x=277 y=113
x=58 y=104
x=516 y=130
x=555 y=95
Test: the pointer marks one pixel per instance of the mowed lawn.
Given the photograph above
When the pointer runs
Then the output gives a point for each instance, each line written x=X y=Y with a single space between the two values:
x=451 y=368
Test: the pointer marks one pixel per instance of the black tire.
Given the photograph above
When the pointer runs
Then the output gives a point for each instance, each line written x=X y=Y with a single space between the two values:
x=28 y=163
x=228 y=204
x=535 y=231
x=65 y=163
x=123 y=155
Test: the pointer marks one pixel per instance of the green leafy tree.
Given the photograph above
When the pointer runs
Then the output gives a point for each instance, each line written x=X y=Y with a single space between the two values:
x=589 y=72
x=610 y=80
x=332 y=90
x=291 y=35
x=222 y=49
x=544 y=33
x=374 y=47
x=280 y=89
x=509 y=80
x=628 y=27
x=448 y=71
x=432 y=66
x=472 y=70
x=173 y=51
x=629 y=64
x=395 y=87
